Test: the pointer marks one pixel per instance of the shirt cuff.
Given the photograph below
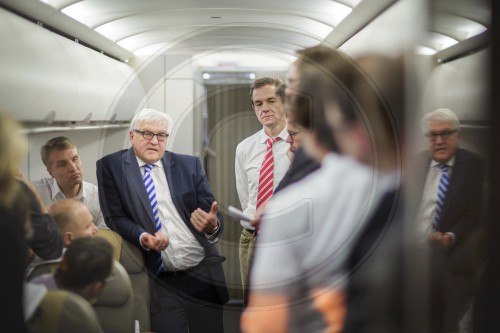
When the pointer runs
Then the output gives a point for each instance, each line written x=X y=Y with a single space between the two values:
x=214 y=236
x=140 y=238
x=453 y=237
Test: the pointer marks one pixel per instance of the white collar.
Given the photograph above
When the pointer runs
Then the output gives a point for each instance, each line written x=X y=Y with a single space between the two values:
x=55 y=190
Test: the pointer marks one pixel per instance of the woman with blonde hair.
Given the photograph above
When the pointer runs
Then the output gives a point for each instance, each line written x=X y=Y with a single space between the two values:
x=13 y=224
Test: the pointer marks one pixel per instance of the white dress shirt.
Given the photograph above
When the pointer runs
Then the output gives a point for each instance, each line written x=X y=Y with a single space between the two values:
x=250 y=154
x=50 y=192
x=184 y=251
x=427 y=209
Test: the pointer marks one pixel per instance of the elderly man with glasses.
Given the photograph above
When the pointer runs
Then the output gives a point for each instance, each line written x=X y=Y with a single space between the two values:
x=450 y=216
x=161 y=202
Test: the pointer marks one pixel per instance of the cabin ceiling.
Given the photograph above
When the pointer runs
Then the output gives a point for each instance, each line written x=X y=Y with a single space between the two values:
x=124 y=28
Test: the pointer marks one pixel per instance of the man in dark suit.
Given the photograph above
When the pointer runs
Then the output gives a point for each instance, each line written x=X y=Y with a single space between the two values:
x=162 y=202
x=449 y=216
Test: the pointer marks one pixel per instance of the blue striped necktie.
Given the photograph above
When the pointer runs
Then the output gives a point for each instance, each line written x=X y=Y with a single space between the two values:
x=150 y=188
x=444 y=181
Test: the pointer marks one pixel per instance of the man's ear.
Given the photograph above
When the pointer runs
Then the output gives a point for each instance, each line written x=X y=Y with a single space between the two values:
x=95 y=288
x=68 y=238
x=50 y=172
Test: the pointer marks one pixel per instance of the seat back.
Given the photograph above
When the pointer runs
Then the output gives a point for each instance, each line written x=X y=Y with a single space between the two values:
x=132 y=259
x=115 y=304
x=61 y=311
x=44 y=267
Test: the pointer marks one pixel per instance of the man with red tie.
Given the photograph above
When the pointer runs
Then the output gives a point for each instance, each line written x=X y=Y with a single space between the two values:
x=261 y=161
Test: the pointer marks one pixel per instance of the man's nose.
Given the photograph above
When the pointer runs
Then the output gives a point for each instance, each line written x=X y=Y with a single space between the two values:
x=289 y=139
x=439 y=139
x=265 y=106
x=72 y=166
x=154 y=139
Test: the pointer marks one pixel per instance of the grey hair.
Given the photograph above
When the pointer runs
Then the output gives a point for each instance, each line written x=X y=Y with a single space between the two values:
x=151 y=116
x=440 y=116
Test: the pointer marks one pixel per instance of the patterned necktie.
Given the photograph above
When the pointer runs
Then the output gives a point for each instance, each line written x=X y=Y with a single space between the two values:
x=444 y=181
x=150 y=188
x=266 y=176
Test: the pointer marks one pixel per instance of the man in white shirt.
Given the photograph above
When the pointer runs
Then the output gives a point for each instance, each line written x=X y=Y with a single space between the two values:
x=309 y=227
x=267 y=97
x=60 y=156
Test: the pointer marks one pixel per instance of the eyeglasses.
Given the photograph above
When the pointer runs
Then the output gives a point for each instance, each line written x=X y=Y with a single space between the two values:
x=445 y=135
x=293 y=134
x=149 y=135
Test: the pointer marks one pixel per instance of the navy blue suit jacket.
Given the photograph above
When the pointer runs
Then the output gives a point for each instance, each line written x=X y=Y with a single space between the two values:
x=127 y=210
x=462 y=207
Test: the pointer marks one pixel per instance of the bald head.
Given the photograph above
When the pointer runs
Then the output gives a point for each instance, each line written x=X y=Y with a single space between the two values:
x=74 y=219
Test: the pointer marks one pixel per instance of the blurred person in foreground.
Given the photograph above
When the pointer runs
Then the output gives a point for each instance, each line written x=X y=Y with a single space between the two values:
x=373 y=299
x=322 y=213
x=15 y=227
x=301 y=164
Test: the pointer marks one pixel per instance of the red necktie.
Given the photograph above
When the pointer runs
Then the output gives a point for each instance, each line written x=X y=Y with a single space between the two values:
x=266 y=176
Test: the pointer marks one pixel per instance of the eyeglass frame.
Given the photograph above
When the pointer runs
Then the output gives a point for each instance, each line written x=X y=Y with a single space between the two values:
x=293 y=134
x=148 y=133
x=445 y=135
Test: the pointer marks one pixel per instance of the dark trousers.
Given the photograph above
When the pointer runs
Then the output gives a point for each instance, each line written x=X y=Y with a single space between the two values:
x=183 y=301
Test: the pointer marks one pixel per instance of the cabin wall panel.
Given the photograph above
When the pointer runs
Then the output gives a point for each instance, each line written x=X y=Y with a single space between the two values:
x=91 y=147
x=46 y=74
x=460 y=85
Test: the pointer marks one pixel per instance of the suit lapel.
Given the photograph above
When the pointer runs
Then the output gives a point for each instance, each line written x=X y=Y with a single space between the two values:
x=173 y=180
x=174 y=183
x=134 y=177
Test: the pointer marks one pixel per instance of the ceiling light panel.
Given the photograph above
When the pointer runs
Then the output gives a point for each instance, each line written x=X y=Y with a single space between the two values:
x=218 y=36
x=195 y=20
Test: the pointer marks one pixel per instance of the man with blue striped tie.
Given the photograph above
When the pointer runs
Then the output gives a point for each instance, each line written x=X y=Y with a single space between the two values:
x=450 y=212
x=161 y=202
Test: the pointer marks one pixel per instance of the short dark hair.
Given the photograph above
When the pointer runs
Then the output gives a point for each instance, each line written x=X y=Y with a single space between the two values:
x=266 y=80
x=55 y=144
x=87 y=260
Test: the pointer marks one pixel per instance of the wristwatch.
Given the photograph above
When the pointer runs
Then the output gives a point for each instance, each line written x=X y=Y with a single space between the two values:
x=215 y=229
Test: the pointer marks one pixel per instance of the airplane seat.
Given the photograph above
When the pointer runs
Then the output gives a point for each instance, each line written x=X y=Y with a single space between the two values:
x=45 y=267
x=115 y=304
x=61 y=311
x=132 y=259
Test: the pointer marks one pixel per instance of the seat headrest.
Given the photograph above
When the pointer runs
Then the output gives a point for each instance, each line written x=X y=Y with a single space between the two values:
x=126 y=253
x=118 y=289
x=63 y=311
x=114 y=239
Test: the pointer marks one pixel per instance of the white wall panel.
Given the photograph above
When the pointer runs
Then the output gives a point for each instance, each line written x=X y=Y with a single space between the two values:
x=44 y=73
x=460 y=85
